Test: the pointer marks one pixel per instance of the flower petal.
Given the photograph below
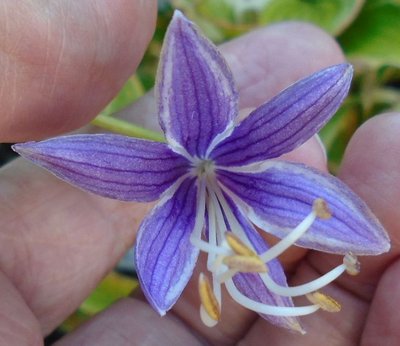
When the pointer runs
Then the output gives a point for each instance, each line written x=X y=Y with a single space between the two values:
x=286 y=121
x=197 y=98
x=165 y=257
x=281 y=196
x=109 y=165
x=253 y=287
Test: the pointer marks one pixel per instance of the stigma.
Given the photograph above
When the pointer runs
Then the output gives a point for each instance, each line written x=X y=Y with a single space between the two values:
x=231 y=252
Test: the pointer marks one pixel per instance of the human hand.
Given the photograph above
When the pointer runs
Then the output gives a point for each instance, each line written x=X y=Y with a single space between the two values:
x=58 y=241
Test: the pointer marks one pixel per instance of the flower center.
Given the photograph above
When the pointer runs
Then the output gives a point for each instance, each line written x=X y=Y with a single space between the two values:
x=230 y=252
x=203 y=168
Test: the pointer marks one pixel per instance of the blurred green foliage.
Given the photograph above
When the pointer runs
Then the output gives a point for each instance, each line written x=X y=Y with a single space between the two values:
x=368 y=32
x=113 y=287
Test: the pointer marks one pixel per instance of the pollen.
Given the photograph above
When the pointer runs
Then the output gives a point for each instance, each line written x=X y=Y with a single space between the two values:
x=238 y=246
x=321 y=209
x=208 y=300
x=324 y=301
x=245 y=264
x=352 y=264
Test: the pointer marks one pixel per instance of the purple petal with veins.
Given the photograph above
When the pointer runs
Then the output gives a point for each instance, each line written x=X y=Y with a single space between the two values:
x=278 y=198
x=165 y=257
x=119 y=167
x=197 y=98
x=286 y=121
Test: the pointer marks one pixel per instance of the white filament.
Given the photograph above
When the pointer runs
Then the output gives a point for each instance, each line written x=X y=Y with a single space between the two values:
x=212 y=232
x=290 y=239
x=236 y=227
x=268 y=309
x=301 y=290
x=195 y=237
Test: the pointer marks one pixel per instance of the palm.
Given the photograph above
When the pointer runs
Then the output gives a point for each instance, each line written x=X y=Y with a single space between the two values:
x=58 y=242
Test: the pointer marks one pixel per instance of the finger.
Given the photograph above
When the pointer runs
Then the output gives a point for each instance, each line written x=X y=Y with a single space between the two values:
x=382 y=327
x=372 y=170
x=64 y=61
x=57 y=242
x=50 y=225
x=128 y=322
x=18 y=324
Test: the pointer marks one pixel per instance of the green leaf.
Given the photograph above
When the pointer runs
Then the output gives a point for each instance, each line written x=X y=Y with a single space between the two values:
x=332 y=15
x=337 y=133
x=113 y=287
x=213 y=17
x=375 y=36
x=130 y=92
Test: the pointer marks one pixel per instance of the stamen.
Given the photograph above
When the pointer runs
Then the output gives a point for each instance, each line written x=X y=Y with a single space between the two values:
x=209 y=303
x=220 y=221
x=321 y=209
x=205 y=317
x=324 y=301
x=238 y=246
x=352 y=264
x=195 y=237
x=290 y=239
x=268 y=309
x=245 y=264
x=208 y=248
x=306 y=288
x=226 y=275
x=234 y=224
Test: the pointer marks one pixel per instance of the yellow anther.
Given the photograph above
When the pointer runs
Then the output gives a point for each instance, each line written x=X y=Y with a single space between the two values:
x=352 y=264
x=245 y=264
x=324 y=301
x=208 y=299
x=321 y=209
x=238 y=246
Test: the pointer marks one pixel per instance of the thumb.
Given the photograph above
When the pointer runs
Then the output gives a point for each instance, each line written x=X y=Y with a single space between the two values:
x=63 y=61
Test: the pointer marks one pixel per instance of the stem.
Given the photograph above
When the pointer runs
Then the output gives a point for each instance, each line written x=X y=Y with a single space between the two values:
x=126 y=128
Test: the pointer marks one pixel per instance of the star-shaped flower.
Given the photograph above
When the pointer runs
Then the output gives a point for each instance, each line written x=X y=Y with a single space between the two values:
x=217 y=178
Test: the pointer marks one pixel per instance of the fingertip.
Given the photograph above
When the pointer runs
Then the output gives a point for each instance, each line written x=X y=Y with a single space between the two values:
x=371 y=167
x=375 y=146
x=269 y=59
x=131 y=322
x=77 y=58
x=377 y=135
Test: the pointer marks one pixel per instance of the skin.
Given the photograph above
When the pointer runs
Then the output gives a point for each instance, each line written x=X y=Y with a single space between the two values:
x=58 y=242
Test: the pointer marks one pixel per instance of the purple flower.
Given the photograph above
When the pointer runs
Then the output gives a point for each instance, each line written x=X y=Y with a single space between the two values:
x=216 y=178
